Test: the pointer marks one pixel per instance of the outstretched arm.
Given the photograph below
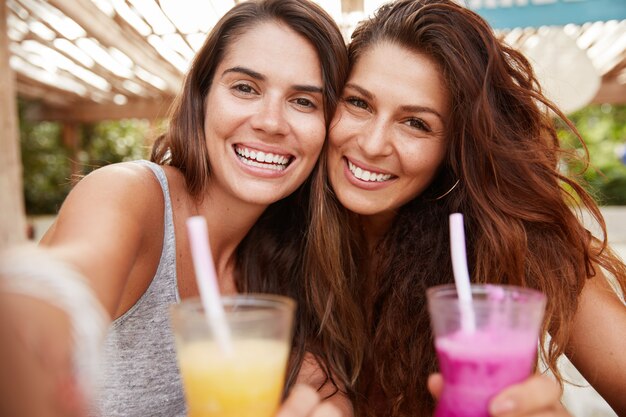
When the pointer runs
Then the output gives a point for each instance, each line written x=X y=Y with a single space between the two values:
x=103 y=230
x=598 y=341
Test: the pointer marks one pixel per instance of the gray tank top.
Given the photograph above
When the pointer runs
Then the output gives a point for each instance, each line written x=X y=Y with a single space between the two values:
x=139 y=376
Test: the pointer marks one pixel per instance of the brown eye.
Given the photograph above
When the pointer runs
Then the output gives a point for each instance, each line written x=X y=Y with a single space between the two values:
x=304 y=102
x=357 y=102
x=244 y=88
x=417 y=123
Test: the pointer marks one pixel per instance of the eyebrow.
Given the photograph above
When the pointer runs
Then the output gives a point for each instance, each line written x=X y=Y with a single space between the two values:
x=258 y=76
x=406 y=108
x=420 y=109
x=361 y=91
x=247 y=71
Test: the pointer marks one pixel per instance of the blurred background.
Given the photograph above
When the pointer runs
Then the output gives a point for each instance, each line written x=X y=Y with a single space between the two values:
x=85 y=83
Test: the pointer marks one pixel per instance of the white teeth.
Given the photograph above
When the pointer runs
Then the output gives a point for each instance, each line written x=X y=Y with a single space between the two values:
x=368 y=176
x=261 y=159
x=262 y=165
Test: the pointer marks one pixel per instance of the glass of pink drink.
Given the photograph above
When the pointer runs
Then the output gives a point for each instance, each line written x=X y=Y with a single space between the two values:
x=477 y=364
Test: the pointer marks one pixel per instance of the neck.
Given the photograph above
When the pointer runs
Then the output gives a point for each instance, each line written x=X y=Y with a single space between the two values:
x=375 y=227
x=228 y=223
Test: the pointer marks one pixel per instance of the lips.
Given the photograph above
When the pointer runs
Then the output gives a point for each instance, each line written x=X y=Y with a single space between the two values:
x=265 y=160
x=368 y=175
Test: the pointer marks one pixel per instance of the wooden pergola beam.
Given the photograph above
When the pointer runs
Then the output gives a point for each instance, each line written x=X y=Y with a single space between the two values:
x=90 y=112
x=611 y=92
x=32 y=92
x=12 y=215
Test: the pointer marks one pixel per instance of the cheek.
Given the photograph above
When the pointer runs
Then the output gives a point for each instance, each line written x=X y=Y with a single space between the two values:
x=314 y=136
x=424 y=162
x=334 y=155
x=340 y=129
x=338 y=141
x=216 y=124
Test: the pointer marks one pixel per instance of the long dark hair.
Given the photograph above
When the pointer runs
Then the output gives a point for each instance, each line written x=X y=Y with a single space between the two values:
x=518 y=206
x=272 y=257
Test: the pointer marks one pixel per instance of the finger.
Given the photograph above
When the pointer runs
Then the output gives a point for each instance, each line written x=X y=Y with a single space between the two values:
x=537 y=394
x=326 y=410
x=435 y=385
x=300 y=403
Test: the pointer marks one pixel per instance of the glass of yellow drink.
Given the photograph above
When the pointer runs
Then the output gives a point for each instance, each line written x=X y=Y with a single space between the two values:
x=246 y=380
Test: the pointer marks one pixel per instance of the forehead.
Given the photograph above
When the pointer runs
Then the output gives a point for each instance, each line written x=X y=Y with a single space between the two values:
x=391 y=70
x=271 y=47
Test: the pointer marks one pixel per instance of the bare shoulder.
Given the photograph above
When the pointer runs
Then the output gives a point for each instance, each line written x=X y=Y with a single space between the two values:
x=126 y=191
x=600 y=301
x=105 y=228
x=603 y=286
x=119 y=180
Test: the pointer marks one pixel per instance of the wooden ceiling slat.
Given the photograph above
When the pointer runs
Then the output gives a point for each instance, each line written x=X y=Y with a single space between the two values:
x=90 y=89
x=23 y=79
x=108 y=33
x=113 y=79
x=96 y=69
x=116 y=32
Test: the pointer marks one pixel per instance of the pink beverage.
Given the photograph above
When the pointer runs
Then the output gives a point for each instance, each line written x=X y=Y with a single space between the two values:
x=477 y=364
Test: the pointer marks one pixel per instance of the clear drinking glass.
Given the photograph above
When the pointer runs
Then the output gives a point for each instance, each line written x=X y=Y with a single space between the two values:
x=249 y=380
x=502 y=350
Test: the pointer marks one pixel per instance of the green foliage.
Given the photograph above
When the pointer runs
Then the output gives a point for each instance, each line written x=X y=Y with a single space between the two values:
x=47 y=163
x=603 y=128
x=110 y=142
x=46 y=167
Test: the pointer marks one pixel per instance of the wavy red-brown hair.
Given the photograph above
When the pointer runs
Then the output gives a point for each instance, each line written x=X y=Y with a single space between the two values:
x=519 y=208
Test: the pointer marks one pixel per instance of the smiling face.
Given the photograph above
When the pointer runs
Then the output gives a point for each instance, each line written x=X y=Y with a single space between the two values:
x=264 y=123
x=387 y=138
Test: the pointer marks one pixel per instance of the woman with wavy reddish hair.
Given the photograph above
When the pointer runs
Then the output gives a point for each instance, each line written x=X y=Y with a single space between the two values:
x=243 y=138
x=439 y=116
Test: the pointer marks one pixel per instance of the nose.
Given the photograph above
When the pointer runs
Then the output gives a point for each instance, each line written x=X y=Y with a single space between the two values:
x=375 y=139
x=271 y=116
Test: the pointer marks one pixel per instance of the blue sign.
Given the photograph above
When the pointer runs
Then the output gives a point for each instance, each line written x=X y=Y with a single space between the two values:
x=507 y=14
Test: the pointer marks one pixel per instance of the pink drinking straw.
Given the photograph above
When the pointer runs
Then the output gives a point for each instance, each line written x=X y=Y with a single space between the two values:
x=461 y=273
x=206 y=278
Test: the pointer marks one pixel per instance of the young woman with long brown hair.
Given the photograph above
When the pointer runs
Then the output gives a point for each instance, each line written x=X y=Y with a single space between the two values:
x=243 y=138
x=439 y=116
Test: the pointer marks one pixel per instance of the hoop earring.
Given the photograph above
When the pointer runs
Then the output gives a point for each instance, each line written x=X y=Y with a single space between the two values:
x=449 y=191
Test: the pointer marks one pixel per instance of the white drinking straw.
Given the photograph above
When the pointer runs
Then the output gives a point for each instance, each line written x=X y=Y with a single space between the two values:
x=206 y=278
x=461 y=273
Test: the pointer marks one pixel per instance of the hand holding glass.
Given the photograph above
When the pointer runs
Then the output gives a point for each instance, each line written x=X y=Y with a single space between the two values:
x=246 y=381
x=479 y=363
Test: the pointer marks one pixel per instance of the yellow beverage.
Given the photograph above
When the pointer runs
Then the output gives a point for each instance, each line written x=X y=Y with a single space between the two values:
x=246 y=384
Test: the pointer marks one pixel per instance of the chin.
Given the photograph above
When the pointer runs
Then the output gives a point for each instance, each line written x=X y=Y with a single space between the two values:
x=361 y=209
